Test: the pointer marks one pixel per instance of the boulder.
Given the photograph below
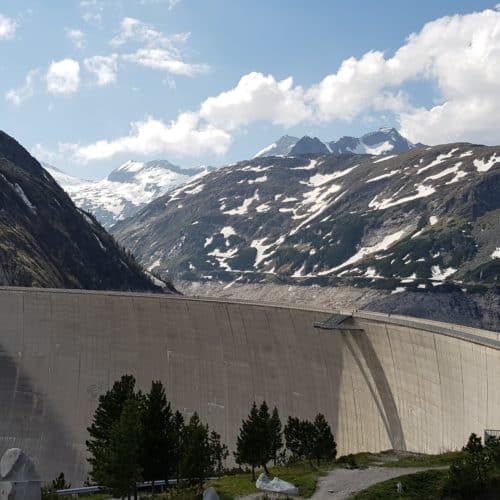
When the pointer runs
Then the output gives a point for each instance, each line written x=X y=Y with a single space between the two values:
x=18 y=477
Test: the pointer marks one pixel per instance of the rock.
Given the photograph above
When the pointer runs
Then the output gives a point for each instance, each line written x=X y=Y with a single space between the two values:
x=210 y=494
x=19 y=479
x=277 y=485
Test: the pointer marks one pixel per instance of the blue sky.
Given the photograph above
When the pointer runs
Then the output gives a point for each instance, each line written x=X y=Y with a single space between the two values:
x=89 y=84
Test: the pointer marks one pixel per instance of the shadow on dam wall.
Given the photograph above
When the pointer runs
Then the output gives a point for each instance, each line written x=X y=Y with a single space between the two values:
x=376 y=380
x=381 y=382
x=28 y=422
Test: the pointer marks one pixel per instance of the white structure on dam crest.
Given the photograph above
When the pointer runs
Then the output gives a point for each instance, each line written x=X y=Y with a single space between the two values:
x=382 y=382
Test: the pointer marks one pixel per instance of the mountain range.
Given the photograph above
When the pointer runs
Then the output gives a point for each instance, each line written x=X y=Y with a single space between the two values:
x=126 y=189
x=382 y=141
x=48 y=242
x=134 y=184
x=416 y=220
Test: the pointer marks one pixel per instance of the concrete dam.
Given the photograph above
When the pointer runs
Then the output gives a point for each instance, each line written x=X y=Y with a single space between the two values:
x=382 y=382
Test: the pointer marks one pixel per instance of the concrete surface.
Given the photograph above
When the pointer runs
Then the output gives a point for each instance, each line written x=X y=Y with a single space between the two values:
x=382 y=382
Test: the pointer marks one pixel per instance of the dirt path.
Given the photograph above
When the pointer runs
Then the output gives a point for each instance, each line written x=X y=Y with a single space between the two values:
x=341 y=483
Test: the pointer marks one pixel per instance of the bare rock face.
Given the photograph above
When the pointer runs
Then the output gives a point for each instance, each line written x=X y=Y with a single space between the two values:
x=18 y=477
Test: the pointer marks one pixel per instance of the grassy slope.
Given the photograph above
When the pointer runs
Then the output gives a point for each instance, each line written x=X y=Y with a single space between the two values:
x=422 y=485
x=305 y=476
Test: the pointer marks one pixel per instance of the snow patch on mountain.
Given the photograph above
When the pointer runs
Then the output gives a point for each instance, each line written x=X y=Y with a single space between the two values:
x=126 y=189
x=385 y=244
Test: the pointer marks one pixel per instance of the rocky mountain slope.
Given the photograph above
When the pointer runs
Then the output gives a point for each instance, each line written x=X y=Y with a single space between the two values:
x=46 y=241
x=126 y=189
x=401 y=222
x=480 y=310
x=381 y=141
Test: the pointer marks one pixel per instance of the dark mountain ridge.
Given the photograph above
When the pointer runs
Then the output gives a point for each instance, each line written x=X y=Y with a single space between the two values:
x=45 y=241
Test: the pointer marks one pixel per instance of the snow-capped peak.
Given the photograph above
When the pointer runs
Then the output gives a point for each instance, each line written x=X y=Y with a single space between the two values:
x=281 y=147
x=382 y=141
x=126 y=189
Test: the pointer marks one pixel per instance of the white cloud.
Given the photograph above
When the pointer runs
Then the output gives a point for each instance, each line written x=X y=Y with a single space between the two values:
x=63 y=77
x=159 y=51
x=257 y=97
x=134 y=30
x=458 y=55
x=77 y=37
x=103 y=67
x=164 y=60
x=7 y=27
x=184 y=136
x=92 y=11
x=171 y=3
x=17 y=96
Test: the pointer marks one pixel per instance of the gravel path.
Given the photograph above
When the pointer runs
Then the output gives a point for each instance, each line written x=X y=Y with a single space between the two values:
x=342 y=483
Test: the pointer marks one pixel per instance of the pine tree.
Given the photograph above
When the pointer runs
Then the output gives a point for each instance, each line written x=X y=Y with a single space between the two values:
x=196 y=462
x=122 y=457
x=300 y=438
x=158 y=446
x=324 y=446
x=276 y=440
x=253 y=442
x=218 y=452
x=106 y=415
x=178 y=432
x=292 y=437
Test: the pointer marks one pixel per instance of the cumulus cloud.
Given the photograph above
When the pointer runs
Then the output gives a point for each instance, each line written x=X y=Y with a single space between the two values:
x=63 y=77
x=184 y=136
x=158 y=51
x=25 y=91
x=103 y=67
x=459 y=56
x=7 y=27
x=77 y=37
x=257 y=97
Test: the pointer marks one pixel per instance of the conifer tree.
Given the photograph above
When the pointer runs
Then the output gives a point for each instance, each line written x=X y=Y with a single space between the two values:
x=253 y=442
x=300 y=438
x=178 y=432
x=158 y=446
x=122 y=457
x=324 y=446
x=276 y=440
x=106 y=415
x=218 y=451
x=196 y=461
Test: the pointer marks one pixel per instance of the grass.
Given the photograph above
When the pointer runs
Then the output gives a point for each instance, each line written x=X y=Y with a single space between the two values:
x=442 y=460
x=305 y=476
x=302 y=475
x=425 y=485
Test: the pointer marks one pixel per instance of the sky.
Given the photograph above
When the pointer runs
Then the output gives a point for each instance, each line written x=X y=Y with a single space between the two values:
x=89 y=84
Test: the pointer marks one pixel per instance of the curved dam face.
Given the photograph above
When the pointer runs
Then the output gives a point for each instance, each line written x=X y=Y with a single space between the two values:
x=382 y=382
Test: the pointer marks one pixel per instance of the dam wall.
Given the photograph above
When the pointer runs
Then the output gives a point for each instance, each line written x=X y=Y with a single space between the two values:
x=382 y=382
